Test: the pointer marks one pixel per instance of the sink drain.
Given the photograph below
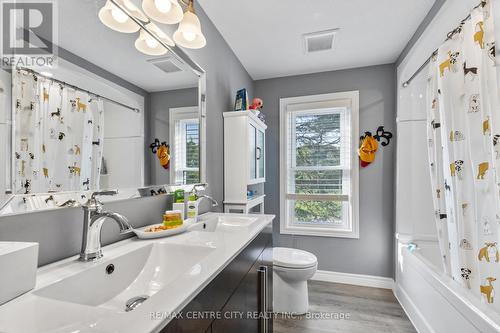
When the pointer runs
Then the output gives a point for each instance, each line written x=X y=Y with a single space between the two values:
x=134 y=302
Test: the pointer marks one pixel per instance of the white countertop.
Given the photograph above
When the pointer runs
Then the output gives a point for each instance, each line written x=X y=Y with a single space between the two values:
x=31 y=313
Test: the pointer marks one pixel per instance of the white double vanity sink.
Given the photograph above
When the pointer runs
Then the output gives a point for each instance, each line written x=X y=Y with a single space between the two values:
x=138 y=284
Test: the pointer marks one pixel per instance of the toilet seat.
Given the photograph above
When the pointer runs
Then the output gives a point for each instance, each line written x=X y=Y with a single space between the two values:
x=293 y=258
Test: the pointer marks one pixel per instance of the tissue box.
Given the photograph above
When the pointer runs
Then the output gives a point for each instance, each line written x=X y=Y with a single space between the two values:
x=18 y=264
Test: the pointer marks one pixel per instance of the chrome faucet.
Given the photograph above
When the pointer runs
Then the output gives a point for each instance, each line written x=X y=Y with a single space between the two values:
x=196 y=190
x=93 y=219
x=214 y=202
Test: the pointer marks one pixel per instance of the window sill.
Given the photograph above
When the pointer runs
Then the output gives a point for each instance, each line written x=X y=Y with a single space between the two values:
x=339 y=233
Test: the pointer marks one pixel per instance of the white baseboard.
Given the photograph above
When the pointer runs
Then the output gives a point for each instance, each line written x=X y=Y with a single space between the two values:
x=355 y=279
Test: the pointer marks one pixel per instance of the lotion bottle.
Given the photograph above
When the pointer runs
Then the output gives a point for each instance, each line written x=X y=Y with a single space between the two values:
x=192 y=209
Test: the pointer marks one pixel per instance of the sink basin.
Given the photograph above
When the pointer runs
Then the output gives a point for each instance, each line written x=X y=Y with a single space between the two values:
x=124 y=282
x=237 y=221
x=227 y=223
x=209 y=225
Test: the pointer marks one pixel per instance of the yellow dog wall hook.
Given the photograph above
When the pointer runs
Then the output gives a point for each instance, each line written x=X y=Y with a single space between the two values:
x=162 y=151
x=369 y=145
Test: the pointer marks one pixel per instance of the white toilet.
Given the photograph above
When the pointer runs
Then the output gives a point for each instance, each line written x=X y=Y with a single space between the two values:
x=291 y=270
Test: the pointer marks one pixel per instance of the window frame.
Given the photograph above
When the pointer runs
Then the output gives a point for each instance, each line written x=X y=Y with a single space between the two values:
x=182 y=114
x=348 y=100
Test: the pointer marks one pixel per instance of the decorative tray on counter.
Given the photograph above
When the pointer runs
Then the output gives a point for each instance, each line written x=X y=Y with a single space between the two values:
x=144 y=233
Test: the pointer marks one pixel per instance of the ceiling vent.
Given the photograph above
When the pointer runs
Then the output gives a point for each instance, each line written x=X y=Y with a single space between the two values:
x=320 y=41
x=167 y=64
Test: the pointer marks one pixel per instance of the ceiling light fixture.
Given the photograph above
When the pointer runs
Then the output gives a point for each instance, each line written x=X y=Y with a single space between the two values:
x=150 y=45
x=115 y=18
x=124 y=16
x=189 y=33
x=163 y=11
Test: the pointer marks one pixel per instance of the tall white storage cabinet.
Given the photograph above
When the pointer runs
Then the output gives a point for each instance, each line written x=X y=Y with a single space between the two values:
x=244 y=162
x=415 y=219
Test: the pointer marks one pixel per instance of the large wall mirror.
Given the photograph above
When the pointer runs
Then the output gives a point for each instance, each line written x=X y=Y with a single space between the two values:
x=106 y=115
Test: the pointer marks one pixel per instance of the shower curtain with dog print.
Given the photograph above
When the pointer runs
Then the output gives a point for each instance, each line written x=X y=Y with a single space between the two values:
x=464 y=142
x=58 y=136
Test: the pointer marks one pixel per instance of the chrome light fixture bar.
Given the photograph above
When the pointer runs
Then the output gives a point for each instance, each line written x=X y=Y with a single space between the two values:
x=124 y=16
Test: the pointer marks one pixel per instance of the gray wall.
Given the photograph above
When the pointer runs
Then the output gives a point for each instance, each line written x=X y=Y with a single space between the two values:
x=420 y=30
x=158 y=122
x=225 y=75
x=373 y=252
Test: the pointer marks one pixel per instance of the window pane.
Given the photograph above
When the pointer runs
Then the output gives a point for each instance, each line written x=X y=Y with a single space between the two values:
x=191 y=177
x=192 y=145
x=320 y=213
x=317 y=139
x=316 y=182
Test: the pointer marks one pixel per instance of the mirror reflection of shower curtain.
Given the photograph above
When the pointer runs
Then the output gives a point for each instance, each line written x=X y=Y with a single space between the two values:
x=58 y=136
x=464 y=133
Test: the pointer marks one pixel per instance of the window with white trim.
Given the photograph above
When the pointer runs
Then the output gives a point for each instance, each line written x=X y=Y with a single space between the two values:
x=319 y=168
x=185 y=136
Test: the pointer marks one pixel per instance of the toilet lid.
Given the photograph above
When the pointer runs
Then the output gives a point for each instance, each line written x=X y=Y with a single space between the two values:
x=293 y=258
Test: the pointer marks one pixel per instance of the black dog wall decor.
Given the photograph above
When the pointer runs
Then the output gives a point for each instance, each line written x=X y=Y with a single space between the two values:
x=381 y=135
x=156 y=144
x=368 y=145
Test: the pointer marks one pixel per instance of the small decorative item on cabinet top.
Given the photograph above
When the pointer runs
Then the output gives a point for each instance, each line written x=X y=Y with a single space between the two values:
x=257 y=104
x=241 y=102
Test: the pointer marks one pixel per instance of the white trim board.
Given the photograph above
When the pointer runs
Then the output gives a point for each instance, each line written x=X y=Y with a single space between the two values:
x=412 y=312
x=348 y=100
x=174 y=114
x=354 y=279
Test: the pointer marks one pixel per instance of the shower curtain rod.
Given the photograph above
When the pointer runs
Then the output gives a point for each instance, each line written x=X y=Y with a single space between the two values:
x=448 y=37
x=78 y=88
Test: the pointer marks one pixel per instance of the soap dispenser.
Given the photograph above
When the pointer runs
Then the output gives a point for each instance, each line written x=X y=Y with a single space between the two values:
x=192 y=208
x=179 y=202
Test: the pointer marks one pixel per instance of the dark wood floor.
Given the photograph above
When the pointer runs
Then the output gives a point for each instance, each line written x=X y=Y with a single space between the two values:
x=370 y=310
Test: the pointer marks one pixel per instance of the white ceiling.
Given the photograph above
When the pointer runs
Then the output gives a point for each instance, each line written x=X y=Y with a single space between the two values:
x=81 y=32
x=266 y=35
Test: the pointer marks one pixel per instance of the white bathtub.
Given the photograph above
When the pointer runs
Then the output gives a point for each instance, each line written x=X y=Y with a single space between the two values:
x=432 y=300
